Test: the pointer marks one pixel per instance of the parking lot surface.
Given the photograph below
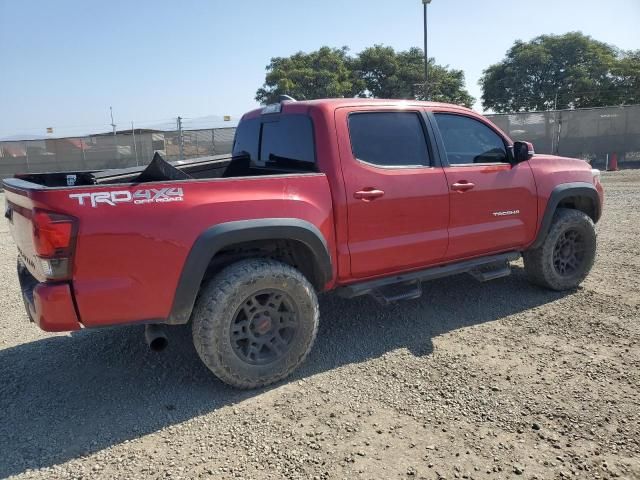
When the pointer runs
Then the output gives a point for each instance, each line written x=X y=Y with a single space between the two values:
x=495 y=380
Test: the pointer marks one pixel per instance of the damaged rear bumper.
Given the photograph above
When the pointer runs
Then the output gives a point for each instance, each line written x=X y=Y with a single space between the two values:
x=49 y=305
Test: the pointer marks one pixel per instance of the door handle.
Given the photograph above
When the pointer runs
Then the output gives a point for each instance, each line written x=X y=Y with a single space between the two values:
x=462 y=186
x=368 y=194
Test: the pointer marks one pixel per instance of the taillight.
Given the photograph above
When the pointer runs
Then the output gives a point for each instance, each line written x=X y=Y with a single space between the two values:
x=53 y=239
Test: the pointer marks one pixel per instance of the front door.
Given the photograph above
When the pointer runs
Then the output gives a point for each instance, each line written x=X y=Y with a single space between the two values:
x=493 y=203
x=397 y=198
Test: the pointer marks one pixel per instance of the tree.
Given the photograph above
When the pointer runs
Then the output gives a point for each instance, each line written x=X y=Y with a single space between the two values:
x=378 y=72
x=386 y=73
x=627 y=73
x=326 y=73
x=559 y=71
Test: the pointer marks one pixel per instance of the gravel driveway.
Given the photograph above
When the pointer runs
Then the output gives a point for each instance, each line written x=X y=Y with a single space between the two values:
x=496 y=380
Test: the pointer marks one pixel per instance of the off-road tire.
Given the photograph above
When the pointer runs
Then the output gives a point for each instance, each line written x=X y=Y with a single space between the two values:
x=539 y=262
x=215 y=313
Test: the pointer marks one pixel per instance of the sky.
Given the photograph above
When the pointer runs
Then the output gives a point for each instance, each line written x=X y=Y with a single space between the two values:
x=63 y=63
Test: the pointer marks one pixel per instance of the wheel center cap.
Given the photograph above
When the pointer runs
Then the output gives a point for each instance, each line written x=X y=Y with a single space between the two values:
x=262 y=323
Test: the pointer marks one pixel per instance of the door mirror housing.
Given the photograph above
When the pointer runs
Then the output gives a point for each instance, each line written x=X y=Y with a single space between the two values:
x=522 y=151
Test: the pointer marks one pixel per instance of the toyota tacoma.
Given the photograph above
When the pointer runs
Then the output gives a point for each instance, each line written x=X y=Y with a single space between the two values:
x=360 y=196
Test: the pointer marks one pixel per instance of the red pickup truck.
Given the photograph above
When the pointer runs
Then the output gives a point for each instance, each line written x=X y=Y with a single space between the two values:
x=359 y=196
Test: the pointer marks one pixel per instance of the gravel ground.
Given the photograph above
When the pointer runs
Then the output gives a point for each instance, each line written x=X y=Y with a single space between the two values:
x=497 y=380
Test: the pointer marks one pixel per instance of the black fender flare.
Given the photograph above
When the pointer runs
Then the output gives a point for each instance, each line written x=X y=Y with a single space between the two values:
x=561 y=192
x=216 y=238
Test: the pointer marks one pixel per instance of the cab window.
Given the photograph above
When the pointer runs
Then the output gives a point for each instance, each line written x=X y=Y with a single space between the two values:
x=469 y=141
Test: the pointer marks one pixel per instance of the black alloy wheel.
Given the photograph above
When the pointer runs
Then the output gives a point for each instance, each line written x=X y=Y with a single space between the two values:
x=264 y=327
x=568 y=253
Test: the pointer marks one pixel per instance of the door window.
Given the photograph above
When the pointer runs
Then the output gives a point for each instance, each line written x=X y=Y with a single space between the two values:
x=388 y=139
x=468 y=141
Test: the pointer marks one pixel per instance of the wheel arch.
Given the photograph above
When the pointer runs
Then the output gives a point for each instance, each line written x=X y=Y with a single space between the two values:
x=578 y=196
x=307 y=243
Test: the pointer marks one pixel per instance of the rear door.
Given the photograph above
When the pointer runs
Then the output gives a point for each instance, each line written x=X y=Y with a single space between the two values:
x=492 y=203
x=397 y=196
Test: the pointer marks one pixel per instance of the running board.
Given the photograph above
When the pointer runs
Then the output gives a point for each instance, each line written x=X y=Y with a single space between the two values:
x=480 y=268
x=395 y=293
x=498 y=271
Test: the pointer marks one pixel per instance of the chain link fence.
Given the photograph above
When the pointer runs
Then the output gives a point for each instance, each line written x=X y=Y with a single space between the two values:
x=99 y=152
x=593 y=134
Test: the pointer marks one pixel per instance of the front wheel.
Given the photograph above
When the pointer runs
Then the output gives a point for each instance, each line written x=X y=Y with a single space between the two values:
x=255 y=322
x=567 y=254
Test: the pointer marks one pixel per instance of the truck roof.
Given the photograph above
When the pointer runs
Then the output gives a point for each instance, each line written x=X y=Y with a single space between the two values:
x=333 y=103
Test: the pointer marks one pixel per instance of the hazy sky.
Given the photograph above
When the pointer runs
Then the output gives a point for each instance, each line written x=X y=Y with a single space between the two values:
x=64 y=62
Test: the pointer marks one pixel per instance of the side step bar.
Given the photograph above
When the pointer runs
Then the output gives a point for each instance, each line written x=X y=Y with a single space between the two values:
x=393 y=293
x=491 y=273
x=483 y=269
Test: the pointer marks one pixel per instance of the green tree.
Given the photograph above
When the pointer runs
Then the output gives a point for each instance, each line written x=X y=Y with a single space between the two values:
x=386 y=73
x=627 y=74
x=326 y=73
x=564 y=71
x=378 y=72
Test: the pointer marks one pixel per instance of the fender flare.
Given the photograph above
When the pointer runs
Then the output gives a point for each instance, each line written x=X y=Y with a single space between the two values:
x=561 y=192
x=216 y=238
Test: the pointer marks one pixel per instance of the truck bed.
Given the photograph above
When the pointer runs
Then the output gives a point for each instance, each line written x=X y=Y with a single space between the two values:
x=131 y=240
x=218 y=166
x=202 y=167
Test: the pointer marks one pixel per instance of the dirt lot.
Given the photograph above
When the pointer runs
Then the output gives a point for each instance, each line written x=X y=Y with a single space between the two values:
x=498 y=380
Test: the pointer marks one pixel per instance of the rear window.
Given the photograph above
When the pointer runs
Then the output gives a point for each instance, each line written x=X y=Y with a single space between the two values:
x=278 y=142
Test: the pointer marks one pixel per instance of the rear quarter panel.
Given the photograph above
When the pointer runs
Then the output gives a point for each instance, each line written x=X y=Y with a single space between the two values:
x=129 y=257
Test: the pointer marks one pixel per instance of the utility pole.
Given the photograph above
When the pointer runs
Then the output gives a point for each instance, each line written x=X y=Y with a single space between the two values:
x=84 y=160
x=180 y=139
x=113 y=125
x=135 y=148
x=425 y=3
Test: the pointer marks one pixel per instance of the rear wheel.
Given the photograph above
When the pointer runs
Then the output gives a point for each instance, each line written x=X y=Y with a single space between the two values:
x=567 y=254
x=255 y=322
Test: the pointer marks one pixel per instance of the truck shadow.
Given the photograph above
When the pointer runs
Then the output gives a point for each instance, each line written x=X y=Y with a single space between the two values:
x=65 y=397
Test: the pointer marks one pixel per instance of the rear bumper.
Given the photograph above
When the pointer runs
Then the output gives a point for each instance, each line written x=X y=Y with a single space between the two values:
x=49 y=305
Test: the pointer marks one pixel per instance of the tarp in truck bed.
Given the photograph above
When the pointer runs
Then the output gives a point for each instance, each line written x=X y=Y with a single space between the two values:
x=159 y=169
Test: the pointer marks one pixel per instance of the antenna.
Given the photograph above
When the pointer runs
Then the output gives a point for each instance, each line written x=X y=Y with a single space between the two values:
x=286 y=98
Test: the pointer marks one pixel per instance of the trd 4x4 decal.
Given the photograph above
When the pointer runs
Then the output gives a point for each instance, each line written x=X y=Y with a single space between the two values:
x=137 y=197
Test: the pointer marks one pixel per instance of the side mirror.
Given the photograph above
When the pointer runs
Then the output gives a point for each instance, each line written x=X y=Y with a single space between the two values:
x=522 y=151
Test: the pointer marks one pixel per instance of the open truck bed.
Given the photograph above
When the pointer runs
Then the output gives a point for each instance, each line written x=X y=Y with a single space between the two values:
x=203 y=167
x=158 y=170
x=111 y=247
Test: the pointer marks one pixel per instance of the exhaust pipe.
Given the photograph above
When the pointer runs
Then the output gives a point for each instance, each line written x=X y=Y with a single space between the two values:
x=156 y=337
